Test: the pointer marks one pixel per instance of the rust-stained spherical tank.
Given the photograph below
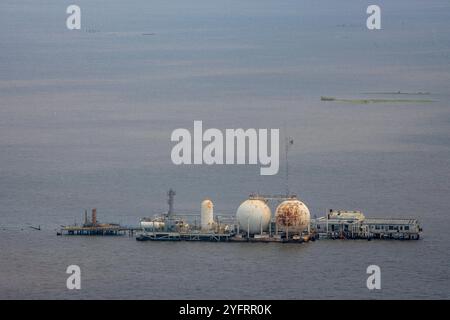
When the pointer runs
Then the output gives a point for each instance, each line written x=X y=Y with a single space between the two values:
x=292 y=215
x=253 y=215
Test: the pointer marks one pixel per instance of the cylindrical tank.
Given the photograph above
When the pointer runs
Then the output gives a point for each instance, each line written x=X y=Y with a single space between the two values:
x=152 y=225
x=253 y=215
x=292 y=215
x=207 y=215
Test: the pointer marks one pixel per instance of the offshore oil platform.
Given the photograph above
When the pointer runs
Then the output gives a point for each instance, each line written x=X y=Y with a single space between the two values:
x=95 y=228
x=254 y=222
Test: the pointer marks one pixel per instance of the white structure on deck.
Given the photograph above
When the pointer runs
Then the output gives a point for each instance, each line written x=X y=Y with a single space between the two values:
x=393 y=228
x=207 y=215
x=354 y=225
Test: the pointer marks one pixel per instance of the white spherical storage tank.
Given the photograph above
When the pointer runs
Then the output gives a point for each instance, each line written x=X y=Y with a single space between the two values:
x=253 y=215
x=292 y=215
x=207 y=215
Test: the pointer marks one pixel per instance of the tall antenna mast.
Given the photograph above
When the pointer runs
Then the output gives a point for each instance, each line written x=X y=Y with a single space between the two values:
x=289 y=141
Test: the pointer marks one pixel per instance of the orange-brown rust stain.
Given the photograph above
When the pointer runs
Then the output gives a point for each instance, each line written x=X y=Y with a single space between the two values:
x=289 y=215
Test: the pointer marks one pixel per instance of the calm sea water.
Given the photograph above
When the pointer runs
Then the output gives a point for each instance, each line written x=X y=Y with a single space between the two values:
x=86 y=118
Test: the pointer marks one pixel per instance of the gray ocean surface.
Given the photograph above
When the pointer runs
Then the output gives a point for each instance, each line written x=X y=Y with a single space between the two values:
x=86 y=118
